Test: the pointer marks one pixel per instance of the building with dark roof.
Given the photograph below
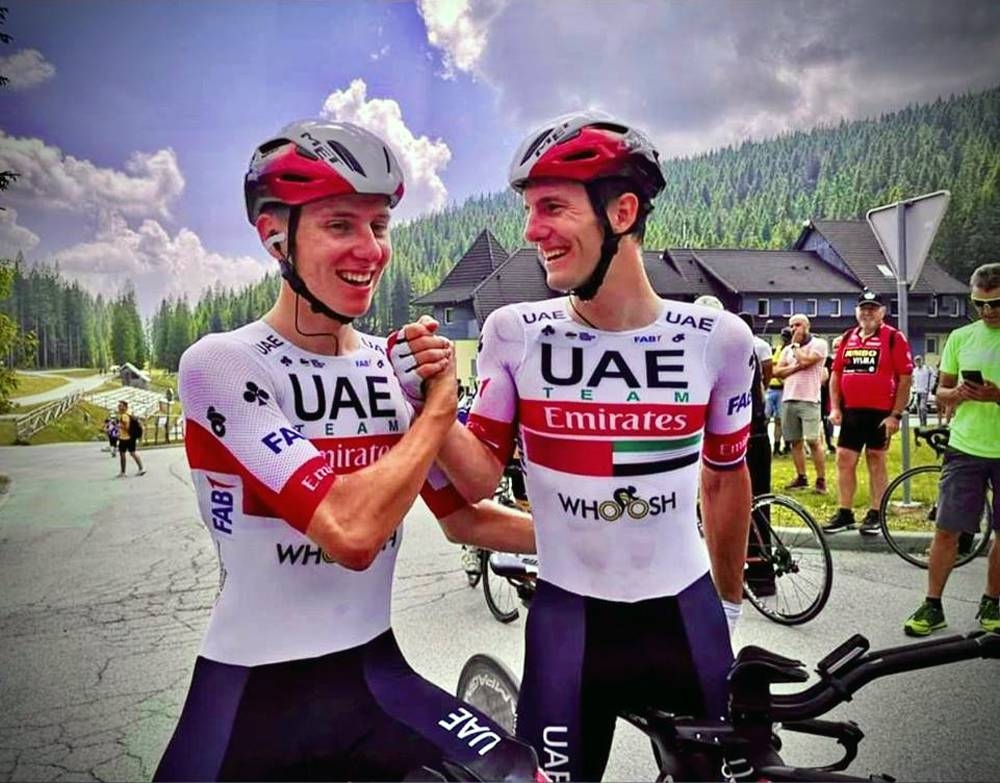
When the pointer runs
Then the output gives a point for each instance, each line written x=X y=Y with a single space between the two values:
x=829 y=265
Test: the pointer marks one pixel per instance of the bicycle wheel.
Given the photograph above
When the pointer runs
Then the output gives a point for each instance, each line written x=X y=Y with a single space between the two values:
x=789 y=571
x=491 y=688
x=501 y=593
x=908 y=515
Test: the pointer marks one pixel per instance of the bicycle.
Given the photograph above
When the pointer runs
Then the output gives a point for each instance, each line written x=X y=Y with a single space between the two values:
x=745 y=746
x=908 y=510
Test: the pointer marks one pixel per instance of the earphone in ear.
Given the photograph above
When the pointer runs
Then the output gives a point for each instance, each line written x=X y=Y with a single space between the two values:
x=274 y=239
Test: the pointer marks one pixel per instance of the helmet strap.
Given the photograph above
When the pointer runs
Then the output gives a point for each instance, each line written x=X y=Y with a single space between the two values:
x=287 y=266
x=609 y=247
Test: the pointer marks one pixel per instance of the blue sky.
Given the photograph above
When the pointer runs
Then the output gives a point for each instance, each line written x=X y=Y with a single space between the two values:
x=132 y=123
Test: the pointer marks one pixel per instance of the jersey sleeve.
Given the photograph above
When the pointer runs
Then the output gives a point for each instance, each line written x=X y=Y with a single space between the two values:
x=730 y=356
x=440 y=496
x=949 y=356
x=902 y=357
x=494 y=412
x=234 y=425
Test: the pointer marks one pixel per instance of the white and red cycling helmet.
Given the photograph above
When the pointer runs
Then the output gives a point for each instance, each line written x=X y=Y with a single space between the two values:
x=314 y=159
x=590 y=147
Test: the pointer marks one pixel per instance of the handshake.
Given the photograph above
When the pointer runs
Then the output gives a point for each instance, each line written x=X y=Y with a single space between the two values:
x=424 y=364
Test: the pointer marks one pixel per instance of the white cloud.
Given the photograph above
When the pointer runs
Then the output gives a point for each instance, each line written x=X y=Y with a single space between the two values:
x=698 y=75
x=14 y=238
x=25 y=69
x=459 y=28
x=158 y=264
x=51 y=179
x=422 y=159
x=376 y=56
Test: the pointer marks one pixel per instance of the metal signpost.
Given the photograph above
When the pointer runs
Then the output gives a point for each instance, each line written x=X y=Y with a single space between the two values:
x=904 y=231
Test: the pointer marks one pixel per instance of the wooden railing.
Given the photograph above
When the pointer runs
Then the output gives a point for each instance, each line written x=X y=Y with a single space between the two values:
x=30 y=423
x=160 y=428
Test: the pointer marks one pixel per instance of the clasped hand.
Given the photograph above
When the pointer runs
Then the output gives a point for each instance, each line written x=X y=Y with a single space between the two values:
x=424 y=363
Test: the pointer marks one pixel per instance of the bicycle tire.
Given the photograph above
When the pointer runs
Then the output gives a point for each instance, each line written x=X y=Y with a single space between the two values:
x=489 y=686
x=501 y=594
x=790 y=579
x=908 y=523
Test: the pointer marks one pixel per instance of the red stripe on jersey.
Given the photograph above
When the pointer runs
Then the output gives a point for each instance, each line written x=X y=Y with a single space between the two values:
x=349 y=454
x=722 y=450
x=498 y=436
x=580 y=457
x=295 y=503
x=621 y=420
x=444 y=501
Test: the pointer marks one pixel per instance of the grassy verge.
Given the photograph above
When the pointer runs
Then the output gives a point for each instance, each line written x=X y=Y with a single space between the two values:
x=36 y=384
x=79 y=372
x=822 y=507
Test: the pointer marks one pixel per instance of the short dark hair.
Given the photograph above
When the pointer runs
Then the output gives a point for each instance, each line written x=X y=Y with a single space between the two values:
x=610 y=188
x=986 y=277
x=747 y=318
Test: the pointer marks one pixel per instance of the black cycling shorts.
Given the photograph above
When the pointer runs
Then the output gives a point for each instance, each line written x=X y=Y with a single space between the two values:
x=359 y=714
x=862 y=428
x=126 y=445
x=586 y=659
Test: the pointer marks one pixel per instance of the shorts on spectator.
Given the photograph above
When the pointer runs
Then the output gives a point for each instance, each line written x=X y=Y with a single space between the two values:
x=126 y=445
x=772 y=403
x=800 y=420
x=862 y=428
x=962 y=492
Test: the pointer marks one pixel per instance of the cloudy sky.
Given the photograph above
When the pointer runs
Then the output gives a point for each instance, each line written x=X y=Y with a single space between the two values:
x=132 y=123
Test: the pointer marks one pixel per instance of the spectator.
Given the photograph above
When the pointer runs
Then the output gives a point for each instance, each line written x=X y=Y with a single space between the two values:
x=923 y=382
x=772 y=406
x=869 y=389
x=128 y=438
x=111 y=431
x=824 y=398
x=972 y=463
x=801 y=368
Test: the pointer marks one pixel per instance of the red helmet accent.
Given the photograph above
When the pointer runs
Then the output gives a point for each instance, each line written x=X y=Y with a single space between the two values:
x=592 y=154
x=292 y=178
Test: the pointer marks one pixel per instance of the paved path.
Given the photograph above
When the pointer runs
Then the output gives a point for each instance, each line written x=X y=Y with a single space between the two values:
x=106 y=585
x=74 y=385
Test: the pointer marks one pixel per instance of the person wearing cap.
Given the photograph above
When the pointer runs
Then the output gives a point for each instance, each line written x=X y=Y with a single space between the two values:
x=801 y=368
x=772 y=405
x=869 y=390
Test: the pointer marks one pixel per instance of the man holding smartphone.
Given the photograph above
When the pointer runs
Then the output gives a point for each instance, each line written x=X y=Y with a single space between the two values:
x=972 y=464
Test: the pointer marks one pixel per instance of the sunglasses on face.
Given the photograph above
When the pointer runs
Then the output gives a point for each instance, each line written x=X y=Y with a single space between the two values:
x=994 y=304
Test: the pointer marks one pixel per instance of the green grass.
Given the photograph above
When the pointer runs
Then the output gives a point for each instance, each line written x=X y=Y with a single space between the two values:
x=79 y=372
x=83 y=423
x=35 y=384
x=822 y=507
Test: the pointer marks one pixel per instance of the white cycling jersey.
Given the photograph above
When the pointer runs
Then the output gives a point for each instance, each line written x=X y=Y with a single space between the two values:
x=269 y=427
x=613 y=426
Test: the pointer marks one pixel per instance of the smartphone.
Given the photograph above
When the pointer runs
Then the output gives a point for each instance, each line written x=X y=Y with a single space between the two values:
x=972 y=376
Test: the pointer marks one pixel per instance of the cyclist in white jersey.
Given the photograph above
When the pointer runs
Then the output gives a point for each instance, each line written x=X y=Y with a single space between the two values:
x=305 y=456
x=622 y=402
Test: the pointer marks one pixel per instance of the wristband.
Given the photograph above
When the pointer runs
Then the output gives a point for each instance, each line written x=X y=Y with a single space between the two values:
x=897 y=416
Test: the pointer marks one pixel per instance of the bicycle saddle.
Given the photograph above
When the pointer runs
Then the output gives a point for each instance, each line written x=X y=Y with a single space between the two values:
x=756 y=663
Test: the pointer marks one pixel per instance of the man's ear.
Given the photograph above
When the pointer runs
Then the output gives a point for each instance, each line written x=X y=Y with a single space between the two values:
x=623 y=211
x=271 y=231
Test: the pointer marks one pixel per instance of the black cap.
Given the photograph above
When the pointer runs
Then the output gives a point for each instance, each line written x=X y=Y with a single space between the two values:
x=786 y=333
x=870 y=297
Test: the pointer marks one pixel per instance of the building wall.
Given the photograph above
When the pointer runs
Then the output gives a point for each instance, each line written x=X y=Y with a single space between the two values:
x=457 y=322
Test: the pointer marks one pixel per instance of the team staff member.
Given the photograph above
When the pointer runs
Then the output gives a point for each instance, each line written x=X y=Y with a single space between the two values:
x=969 y=378
x=305 y=457
x=617 y=396
x=869 y=390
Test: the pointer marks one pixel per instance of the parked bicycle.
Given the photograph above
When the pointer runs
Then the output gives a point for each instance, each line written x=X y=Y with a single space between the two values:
x=908 y=511
x=746 y=745
x=788 y=576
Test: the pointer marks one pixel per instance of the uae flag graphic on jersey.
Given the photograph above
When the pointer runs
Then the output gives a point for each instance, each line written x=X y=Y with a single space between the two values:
x=608 y=439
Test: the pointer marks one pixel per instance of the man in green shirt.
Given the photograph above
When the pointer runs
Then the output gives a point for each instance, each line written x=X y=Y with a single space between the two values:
x=969 y=374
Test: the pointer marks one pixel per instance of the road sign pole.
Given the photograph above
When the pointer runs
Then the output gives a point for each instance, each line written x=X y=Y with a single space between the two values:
x=902 y=293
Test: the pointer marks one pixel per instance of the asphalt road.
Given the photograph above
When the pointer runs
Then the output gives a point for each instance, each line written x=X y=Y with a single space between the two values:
x=106 y=585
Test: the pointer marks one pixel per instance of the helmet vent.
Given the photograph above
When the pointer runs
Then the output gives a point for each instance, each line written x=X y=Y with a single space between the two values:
x=346 y=156
x=388 y=163
x=294 y=178
x=609 y=126
x=271 y=146
x=581 y=155
x=536 y=144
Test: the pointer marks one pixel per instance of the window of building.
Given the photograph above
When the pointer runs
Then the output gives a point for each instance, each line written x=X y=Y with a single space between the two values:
x=932 y=307
x=886 y=272
x=931 y=343
x=763 y=307
x=954 y=306
x=786 y=306
x=811 y=308
x=835 y=308
x=449 y=314
x=893 y=307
